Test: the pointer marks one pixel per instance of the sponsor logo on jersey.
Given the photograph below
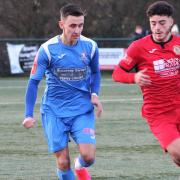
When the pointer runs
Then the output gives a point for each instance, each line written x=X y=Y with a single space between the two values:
x=166 y=68
x=61 y=56
x=176 y=49
x=71 y=74
x=152 y=50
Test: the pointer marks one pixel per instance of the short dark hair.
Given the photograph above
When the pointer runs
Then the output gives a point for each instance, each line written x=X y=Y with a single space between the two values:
x=71 y=9
x=160 y=8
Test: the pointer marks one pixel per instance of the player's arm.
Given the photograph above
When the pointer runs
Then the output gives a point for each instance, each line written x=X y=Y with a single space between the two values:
x=122 y=73
x=95 y=82
x=39 y=66
x=123 y=76
x=30 y=100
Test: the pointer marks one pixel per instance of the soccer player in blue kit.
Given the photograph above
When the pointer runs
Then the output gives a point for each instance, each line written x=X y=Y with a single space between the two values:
x=70 y=63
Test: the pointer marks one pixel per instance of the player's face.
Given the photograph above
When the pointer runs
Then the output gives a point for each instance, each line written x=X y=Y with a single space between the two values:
x=161 y=27
x=72 y=27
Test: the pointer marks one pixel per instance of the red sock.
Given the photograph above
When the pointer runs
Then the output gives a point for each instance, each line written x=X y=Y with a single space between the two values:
x=83 y=174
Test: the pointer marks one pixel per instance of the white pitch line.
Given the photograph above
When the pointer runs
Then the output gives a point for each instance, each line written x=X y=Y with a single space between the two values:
x=135 y=100
x=13 y=87
x=41 y=86
x=14 y=102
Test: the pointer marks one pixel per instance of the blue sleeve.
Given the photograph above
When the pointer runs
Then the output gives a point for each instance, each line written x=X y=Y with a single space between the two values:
x=95 y=73
x=30 y=97
x=41 y=63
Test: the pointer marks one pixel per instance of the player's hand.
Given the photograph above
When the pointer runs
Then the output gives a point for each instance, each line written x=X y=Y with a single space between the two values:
x=142 y=79
x=97 y=103
x=28 y=122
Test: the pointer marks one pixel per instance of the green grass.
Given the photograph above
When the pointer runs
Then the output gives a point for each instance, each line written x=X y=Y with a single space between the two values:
x=126 y=150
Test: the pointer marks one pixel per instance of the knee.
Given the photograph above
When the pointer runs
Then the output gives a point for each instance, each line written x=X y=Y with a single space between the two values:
x=174 y=151
x=63 y=163
x=87 y=154
x=89 y=159
x=175 y=155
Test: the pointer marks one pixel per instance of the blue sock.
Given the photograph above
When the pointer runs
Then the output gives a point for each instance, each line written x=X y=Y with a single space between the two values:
x=83 y=163
x=65 y=175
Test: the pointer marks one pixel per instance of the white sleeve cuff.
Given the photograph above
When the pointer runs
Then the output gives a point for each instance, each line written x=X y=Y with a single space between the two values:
x=94 y=94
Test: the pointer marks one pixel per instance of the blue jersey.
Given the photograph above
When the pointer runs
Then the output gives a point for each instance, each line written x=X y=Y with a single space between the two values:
x=72 y=75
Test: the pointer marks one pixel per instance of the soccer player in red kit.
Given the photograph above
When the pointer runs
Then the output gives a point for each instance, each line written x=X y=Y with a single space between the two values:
x=157 y=59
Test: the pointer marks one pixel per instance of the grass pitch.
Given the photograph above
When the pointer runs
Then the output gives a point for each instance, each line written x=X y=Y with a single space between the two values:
x=126 y=150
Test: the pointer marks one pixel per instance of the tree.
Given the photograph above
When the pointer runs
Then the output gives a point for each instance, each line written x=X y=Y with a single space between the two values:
x=106 y=18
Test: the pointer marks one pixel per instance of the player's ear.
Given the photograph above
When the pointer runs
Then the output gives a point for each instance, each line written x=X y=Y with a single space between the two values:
x=172 y=22
x=61 y=24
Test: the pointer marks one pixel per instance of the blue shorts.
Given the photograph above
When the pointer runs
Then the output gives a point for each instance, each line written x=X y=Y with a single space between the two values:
x=57 y=130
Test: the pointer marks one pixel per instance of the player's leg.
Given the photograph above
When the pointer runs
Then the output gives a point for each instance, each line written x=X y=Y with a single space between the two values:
x=83 y=132
x=168 y=134
x=174 y=147
x=85 y=159
x=87 y=154
x=64 y=171
x=57 y=137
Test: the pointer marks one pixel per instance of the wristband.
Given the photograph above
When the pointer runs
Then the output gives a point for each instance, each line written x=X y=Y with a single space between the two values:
x=94 y=94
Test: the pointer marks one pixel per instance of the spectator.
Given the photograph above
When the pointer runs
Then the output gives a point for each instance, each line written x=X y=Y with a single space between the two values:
x=138 y=33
